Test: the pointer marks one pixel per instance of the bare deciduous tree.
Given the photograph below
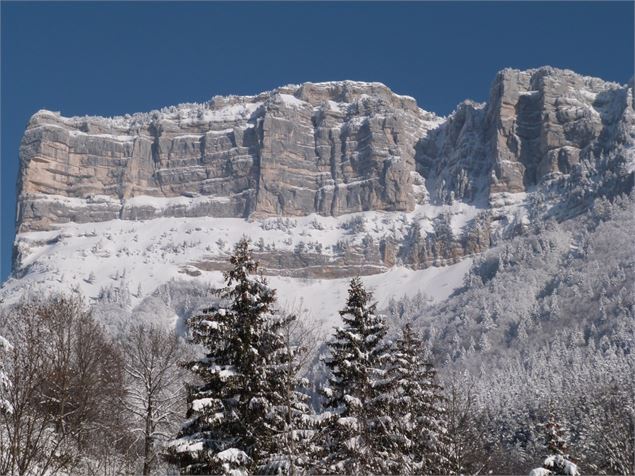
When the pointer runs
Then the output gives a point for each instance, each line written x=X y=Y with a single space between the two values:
x=64 y=378
x=154 y=387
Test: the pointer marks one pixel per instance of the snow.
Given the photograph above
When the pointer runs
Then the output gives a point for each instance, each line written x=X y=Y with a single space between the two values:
x=233 y=455
x=589 y=96
x=508 y=209
x=160 y=204
x=233 y=461
x=126 y=255
x=220 y=111
x=75 y=202
x=561 y=465
x=321 y=299
x=211 y=324
x=75 y=132
x=540 y=472
x=231 y=113
x=200 y=136
x=187 y=445
x=348 y=422
x=352 y=401
x=4 y=344
x=292 y=101
x=350 y=82
x=224 y=373
x=338 y=106
x=230 y=109
x=115 y=137
x=503 y=199
x=200 y=404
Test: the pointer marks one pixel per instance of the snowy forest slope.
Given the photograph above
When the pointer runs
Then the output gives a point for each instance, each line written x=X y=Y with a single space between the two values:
x=546 y=322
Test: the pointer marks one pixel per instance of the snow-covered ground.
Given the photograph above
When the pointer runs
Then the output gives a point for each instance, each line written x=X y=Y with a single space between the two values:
x=139 y=256
x=321 y=299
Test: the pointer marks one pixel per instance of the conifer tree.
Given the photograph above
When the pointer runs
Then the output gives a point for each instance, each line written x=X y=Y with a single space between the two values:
x=555 y=437
x=422 y=428
x=292 y=453
x=557 y=461
x=239 y=418
x=356 y=437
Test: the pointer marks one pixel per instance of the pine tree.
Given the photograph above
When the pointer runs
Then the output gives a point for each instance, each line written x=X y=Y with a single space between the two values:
x=422 y=427
x=356 y=437
x=239 y=418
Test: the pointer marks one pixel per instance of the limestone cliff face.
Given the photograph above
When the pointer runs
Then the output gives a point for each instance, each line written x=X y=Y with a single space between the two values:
x=545 y=122
x=545 y=144
x=327 y=148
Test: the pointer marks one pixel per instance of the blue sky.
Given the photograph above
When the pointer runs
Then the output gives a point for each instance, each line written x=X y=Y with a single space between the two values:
x=115 y=58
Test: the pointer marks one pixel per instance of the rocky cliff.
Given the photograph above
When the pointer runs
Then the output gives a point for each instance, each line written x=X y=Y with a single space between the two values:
x=538 y=126
x=329 y=148
x=546 y=143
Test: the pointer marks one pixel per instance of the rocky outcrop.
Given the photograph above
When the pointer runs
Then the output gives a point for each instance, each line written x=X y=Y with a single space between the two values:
x=544 y=122
x=538 y=126
x=454 y=158
x=369 y=256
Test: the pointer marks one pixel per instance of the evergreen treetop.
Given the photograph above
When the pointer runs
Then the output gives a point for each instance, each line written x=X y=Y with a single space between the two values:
x=422 y=429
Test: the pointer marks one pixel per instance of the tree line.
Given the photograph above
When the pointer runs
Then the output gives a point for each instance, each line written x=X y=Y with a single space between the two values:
x=76 y=400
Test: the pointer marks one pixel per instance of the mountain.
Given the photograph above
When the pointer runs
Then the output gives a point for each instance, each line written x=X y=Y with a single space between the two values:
x=329 y=179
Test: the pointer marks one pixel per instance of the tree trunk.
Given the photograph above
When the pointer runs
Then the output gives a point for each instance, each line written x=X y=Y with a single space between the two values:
x=147 y=446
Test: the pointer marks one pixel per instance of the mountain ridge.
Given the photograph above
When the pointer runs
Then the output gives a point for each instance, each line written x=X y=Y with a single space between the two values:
x=330 y=179
x=181 y=150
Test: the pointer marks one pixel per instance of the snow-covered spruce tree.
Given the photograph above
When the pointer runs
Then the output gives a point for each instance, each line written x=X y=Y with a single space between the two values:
x=557 y=460
x=555 y=465
x=292 y=453
x=239 y=419
x=419 y=403
x=357 y=433
x=555 y=437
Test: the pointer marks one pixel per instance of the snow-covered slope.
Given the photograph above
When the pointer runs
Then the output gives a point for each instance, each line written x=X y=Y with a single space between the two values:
x=131 y=259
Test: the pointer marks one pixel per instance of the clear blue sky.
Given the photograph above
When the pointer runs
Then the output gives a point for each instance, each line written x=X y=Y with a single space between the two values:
x=114 y=58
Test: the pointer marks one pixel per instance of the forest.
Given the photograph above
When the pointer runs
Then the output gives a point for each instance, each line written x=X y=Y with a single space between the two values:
x=527 y=369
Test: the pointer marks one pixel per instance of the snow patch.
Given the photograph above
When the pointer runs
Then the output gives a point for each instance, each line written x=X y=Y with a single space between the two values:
x=292 y=101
